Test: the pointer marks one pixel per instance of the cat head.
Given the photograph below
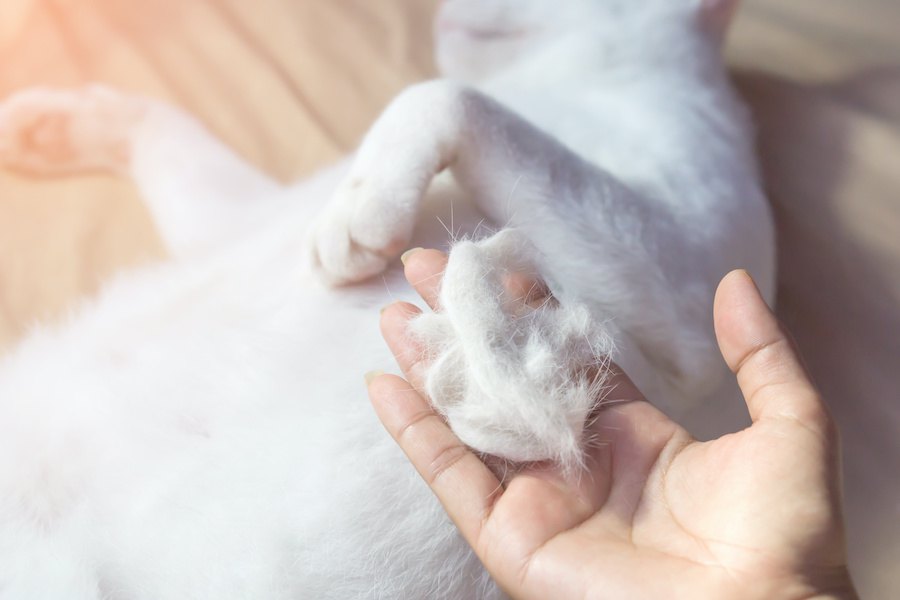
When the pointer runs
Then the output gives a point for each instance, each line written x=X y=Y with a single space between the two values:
x=476 y=39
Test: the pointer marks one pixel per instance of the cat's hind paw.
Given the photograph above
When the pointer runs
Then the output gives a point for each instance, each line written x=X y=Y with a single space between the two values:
x=55 y=131
x=513 y=382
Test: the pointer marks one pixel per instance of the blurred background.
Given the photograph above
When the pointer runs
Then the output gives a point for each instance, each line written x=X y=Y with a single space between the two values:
x=293 y=84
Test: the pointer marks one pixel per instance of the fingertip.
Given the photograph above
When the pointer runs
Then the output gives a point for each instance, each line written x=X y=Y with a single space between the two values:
x=742 y=318
x=393 y=399
x=381 y=386
x=761 y=353
x=422 y=258
x=423 y=269
x=371 y=376
x=394 y=318
x=404 y=258
x=737 y=286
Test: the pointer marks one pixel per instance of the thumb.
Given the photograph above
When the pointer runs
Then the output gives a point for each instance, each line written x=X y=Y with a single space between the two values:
x=758 y=350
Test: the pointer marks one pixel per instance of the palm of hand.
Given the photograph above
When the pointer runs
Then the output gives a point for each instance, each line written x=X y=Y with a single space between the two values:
x=755 y=514
x=662 y=505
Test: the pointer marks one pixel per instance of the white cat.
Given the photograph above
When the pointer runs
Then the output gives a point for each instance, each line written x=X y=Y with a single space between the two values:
x=201 y=429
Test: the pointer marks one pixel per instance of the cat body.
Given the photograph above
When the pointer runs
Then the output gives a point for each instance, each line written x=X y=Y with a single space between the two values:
x=200 y=430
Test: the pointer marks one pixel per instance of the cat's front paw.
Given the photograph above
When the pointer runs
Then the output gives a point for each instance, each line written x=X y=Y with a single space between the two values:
x=47 y=131
x=371 y=217
x=367 y=223
x=513 y=382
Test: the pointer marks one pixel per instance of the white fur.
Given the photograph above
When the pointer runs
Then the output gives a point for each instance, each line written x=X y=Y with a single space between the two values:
x=511 y=383
x=201 y=429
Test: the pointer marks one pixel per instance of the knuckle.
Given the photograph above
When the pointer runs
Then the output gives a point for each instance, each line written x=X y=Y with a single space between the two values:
x=766 y=357
x=435 y=463
x=444 y=460
x=409 y=429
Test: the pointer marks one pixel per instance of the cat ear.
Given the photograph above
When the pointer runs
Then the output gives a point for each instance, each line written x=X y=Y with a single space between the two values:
x=716 y=15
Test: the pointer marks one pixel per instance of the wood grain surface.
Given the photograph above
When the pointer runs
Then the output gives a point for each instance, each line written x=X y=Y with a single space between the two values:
x=292 y=84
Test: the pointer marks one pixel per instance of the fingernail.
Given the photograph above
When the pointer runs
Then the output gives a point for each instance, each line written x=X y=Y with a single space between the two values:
x=405 y=256
x=371 y=375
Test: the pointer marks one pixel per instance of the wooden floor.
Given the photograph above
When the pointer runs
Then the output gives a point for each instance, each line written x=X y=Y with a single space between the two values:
x=292 y=84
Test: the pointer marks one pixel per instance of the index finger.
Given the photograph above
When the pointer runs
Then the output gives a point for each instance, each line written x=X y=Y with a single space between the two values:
x=464 y=485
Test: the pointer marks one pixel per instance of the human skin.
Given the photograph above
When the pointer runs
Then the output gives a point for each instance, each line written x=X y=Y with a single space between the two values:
x=656 y=513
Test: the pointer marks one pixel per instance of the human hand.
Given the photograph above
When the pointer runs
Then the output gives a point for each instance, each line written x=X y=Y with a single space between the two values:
x=656 y=514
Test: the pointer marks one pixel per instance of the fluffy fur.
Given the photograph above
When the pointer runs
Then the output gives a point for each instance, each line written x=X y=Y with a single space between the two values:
x=511 y=382
x=200 y=430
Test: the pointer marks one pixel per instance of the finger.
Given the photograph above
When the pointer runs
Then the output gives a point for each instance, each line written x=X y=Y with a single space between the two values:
x=424 y=270
x=463 y=484
x=409 y=354
x=635 y=434
x=758 y=350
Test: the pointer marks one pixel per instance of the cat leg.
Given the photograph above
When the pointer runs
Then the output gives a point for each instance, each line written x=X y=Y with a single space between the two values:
x=370 y=218
x=518 y=175
x=597 y=242
x=195 y=187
